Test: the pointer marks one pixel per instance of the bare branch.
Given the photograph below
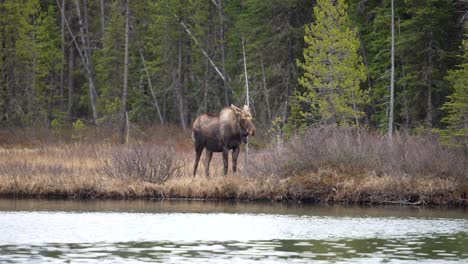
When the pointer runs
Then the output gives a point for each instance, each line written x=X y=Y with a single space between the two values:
x=202 y=50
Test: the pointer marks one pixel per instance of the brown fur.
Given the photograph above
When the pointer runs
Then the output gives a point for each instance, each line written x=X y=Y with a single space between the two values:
x=220 y=133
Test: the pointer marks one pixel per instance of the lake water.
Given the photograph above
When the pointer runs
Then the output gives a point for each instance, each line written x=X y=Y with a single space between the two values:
x=34 y=231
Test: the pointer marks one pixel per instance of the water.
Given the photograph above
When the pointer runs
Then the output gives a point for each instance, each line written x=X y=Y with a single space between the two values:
x=214 y=232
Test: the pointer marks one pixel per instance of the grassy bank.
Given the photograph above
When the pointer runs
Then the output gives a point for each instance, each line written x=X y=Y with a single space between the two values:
x=323 y=165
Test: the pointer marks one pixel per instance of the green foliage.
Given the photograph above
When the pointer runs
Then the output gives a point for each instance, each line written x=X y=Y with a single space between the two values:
x=79 y=125
x=79 y=129
x=428 y=29
x=57 y=125
x=48 y=61
x=30 y=60
x=456 y=132
x=330 y=85
x=427 y=35
x=40 y=81
x=374 y=27
x=109 y=64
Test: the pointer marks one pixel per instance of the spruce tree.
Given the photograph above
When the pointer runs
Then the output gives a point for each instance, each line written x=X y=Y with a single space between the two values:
x=427 y=46
x=456 y=132
x=330 y=85
x=109 y=64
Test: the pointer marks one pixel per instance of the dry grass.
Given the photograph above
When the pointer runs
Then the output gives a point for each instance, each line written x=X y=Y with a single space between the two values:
x=324 y=165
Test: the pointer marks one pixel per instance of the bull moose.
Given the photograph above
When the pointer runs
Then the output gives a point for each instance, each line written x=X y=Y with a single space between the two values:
x=220 y=133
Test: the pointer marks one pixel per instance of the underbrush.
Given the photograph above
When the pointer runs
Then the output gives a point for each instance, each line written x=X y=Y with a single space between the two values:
x=342 y=150
x=326 y=164
x=150 y=164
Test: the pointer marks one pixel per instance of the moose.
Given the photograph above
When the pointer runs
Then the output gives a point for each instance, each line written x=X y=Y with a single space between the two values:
x=221 y=132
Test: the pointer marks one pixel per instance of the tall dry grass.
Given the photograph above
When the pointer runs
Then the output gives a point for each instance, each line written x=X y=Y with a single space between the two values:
x=325 y=164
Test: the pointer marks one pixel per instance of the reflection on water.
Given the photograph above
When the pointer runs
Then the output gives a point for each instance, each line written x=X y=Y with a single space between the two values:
x=188 y=232
x=174 y=206
x=435 y=249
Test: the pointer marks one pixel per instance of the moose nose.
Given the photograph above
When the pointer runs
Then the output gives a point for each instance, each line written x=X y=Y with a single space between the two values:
x=252 y=132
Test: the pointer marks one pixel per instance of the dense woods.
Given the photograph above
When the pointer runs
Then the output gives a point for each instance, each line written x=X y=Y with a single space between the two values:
x=309 y=62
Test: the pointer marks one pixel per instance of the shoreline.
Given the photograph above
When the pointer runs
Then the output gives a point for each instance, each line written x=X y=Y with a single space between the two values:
x=310 y=189
x=325 y=165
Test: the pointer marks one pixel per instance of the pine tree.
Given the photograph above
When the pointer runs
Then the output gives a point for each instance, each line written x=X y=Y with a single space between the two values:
x=48 y=64
x=427 y=45
x=330 y=85
x=375 y=30
x=274 y=38
x=109 y=64
x=456 y=133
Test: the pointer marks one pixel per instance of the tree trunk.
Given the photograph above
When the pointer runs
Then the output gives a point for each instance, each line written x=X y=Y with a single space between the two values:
x=218 y=71
x=179 y=89
x=265 y=90
x=71 y=83
x=150 y=85
x=403 y=74
x=62 y=73
x=429 y=85
x=206 y=78
x=247 y=100
x=392 y=79
x=223 y=52
x=87 y=55
x=5 y=108
x=125 y=80
x=103 y=25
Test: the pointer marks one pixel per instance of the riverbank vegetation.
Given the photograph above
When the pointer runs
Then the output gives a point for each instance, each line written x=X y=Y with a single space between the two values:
x=326 y=164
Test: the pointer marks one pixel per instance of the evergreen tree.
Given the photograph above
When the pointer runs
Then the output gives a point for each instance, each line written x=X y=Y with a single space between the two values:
x=330 y=85
x=174 y=75
x=109 y=64
x=456 y=132
x=274 y=38
x=48 y=64
x=427 y=45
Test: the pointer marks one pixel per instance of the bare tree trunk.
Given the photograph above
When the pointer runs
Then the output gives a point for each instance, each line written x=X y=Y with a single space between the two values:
x=71 y=83
x=284 y=118
x=125 y=80
x=218 y=71
x=265 y=90
x=392 y=79
x=206 y=77
x=62 y=74
x=223 y=52
x=247 y=100
x=153 y=95
x=429 y=85
x=356 y=119
x=164 y=110
x=103 y=25
x=403 y=74
x=6 y=91
x=178 y=89
x=87 y=55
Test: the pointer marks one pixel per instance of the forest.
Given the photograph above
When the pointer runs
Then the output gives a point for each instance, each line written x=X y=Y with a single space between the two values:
x=165 y=62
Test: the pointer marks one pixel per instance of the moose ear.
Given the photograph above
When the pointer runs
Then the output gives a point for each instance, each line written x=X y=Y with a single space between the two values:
x=246 y=108
x=236 y=109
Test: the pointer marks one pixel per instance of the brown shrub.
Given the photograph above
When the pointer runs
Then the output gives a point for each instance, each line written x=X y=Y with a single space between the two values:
x=150 y=164
x=339 y=148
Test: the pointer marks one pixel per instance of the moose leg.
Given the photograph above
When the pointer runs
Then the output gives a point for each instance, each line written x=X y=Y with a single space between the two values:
x=198 y=152
x=225 y=160
x=209 y=155
x=235 y=154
